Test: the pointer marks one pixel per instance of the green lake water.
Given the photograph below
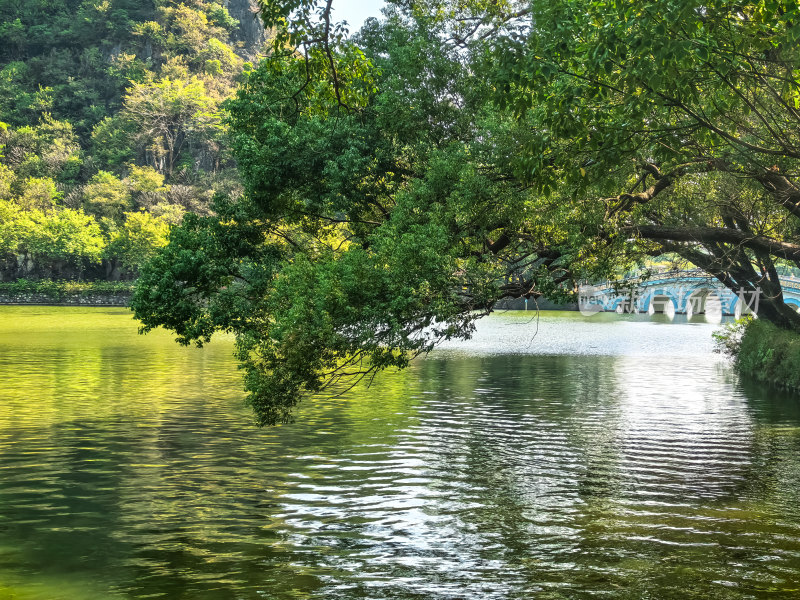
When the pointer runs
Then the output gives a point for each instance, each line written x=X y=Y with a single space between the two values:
x=558 y=457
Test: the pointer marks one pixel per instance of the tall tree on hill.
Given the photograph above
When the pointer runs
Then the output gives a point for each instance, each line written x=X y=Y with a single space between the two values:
x=170 y=117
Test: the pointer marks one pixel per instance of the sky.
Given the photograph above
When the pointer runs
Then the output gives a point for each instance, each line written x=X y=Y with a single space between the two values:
x=355 y=12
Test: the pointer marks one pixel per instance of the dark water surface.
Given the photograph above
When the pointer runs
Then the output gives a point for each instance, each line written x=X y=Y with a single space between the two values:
x=610 y=457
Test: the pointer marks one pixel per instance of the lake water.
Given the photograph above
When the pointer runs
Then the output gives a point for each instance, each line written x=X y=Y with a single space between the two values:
x=558 y=457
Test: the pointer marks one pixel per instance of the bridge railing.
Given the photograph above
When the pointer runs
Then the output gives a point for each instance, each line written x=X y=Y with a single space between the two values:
x=659 y=276
x=676 y=276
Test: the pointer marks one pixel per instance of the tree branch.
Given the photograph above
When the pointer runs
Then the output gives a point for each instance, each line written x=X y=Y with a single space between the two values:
x=716 y=235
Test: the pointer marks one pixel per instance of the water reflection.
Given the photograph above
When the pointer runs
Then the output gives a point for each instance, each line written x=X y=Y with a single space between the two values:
x=634 y=464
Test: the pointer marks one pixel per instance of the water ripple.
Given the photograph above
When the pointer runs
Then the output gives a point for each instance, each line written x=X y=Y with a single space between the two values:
x=618 y=468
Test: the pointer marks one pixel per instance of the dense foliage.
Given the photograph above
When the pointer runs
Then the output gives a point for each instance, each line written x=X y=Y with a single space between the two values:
x=676 y=121
x=763 y=351
x=381 y=214
x=110 y=128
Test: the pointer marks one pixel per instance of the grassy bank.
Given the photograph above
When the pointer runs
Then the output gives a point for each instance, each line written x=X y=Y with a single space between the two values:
x=61 y=290
x=763 y=351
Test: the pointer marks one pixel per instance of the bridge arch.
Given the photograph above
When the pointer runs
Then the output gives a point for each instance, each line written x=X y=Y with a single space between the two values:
x=741 y=308
x=661 y=302
x=688 y=291
x=705 y=301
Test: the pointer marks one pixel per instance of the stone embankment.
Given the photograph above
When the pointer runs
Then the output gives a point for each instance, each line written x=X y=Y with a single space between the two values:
x=96 y=299
x=66 y=292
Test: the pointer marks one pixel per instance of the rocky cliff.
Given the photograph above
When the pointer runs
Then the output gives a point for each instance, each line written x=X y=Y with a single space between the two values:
x=251 y=30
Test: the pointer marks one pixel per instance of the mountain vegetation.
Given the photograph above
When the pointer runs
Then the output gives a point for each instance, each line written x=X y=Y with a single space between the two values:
x=111 y=127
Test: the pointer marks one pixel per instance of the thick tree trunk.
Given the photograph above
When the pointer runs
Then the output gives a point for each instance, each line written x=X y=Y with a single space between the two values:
x=737 y=277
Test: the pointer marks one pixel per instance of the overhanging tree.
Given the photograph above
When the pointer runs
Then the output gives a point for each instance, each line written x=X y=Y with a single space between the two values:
x=381 y=214
x=680 y=120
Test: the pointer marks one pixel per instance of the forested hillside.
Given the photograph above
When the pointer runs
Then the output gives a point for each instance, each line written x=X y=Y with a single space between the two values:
x=111 y=126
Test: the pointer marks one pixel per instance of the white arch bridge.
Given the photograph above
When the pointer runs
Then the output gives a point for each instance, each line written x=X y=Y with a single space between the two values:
x=677 y=292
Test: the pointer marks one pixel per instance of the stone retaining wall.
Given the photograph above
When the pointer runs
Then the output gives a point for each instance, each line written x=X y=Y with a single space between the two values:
x=66 y=300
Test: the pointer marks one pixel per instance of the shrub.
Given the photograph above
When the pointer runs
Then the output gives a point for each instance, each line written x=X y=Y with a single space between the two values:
x=763 y=351
x=59 y=289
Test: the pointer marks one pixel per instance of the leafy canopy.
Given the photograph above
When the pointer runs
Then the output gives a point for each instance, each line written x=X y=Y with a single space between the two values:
x=373 y=221
x=678 y=120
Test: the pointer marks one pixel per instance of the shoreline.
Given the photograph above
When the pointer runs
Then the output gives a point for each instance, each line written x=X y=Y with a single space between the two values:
x=65 y=293
x=93 y=300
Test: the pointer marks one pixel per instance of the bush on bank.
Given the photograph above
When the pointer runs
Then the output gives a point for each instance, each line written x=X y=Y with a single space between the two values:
x=60 y=289
x=762 y=350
